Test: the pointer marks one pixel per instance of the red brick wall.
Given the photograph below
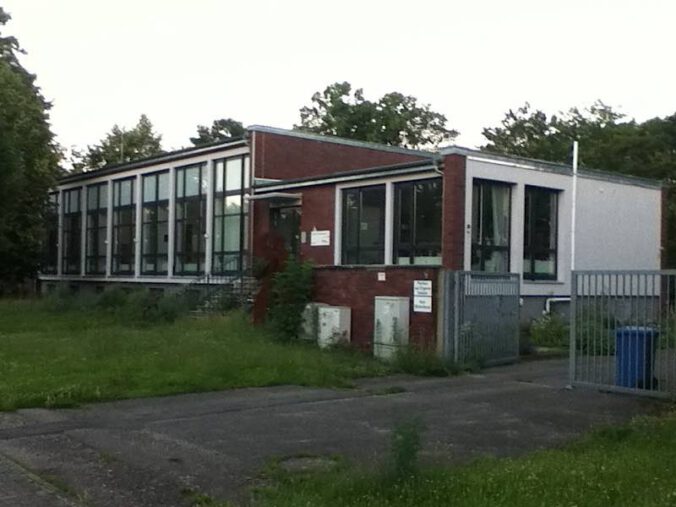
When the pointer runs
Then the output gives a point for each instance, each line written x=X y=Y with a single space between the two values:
x=277 y=156
x=357 y=287
x=453 y=220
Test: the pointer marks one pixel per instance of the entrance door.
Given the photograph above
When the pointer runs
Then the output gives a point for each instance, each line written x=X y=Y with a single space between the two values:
x=286 y=222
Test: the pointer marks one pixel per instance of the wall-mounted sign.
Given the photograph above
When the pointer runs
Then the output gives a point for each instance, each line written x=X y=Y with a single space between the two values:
x=320 y=238
x=422 y=304
x=422 y=288
x=422 y=296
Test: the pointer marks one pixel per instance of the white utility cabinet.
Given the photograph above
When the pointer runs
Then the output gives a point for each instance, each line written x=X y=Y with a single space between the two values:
x=334 y=325
x=390 y=326
x=310 y=328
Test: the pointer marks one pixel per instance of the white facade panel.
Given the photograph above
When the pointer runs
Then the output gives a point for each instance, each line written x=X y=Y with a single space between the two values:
x=618 y=226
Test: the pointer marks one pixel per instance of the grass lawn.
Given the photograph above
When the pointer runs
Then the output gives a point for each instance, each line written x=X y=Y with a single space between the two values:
x=50 y=358
x=633 y=465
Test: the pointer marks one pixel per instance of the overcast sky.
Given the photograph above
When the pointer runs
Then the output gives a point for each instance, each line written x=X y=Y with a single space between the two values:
x=185 y=63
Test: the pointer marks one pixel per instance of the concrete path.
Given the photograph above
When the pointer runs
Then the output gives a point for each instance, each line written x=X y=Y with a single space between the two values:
x=154 y=451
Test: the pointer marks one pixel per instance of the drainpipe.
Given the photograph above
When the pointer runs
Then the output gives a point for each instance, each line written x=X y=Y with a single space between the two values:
x=549 y=301
x=438 y=165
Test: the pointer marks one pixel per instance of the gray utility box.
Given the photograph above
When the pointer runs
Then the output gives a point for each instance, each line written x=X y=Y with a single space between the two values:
x=334 y=325
x=390 y=325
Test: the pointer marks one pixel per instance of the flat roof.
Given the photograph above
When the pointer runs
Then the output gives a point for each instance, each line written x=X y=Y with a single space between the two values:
x=544 y=165
x=340 y=140
x=170 y=156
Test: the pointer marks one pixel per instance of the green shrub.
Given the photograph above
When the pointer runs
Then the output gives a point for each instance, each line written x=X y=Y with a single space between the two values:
x=111 y=299
x=170 y=307
x=549 y=331
x=405 y=446
x=290 y=292
x=417 y=361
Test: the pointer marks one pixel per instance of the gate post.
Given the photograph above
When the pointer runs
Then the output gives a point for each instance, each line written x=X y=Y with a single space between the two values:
x=573 y=326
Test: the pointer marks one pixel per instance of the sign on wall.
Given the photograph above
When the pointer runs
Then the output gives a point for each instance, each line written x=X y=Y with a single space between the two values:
x=320 y=238
x=422 y=296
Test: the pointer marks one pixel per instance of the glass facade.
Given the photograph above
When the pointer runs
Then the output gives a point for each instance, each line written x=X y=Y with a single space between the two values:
x=363 y=235
x=190 y=223
x=417 y=222
x=540 y=234
x=72 y=231
x=155 y=224
x=97 y=222
x=230 y=184
x=491 y=218
x=124 y=226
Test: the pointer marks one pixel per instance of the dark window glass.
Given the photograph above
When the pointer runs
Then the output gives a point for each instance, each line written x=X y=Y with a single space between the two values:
x=97 y=220
x=230 y=215
x=155 y=224
x=417 y=226
x=363 y=240
x=72 y=231
x=286 y=222
x=540 y=234
x=124 y=227
x=491 y=217
x=191 y=203
x=51 y=240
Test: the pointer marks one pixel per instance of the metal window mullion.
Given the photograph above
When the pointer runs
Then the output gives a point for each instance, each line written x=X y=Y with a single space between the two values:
x=208 y=243
x=109 y=227
x=83 y=230
x=138 y=226
x=171 y=229
x=389 y=226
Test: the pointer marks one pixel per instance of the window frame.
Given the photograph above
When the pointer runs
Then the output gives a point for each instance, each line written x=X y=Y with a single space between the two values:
x=50 y=251
x=344 y=227
x=72 y=233
x=415 y=245
x=480 y=184
x=201 y=197
x=155 y=205
x=94 y=215
x=117 y=209
x=218 y=252
x=530 y=252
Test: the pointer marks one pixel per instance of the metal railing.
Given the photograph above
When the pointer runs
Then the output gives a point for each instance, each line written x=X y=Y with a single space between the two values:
x=481 y=317
x=623 y=331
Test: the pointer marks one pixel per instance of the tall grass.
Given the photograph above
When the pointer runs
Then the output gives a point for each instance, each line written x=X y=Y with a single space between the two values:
x=62 y=357
x=633 y=465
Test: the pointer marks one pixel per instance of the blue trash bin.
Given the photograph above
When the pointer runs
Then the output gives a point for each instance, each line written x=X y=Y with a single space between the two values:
x=635 y=356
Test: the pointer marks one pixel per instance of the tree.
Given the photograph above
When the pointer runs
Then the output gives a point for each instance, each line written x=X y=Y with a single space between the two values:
x=394 y=119
x=28 y=165
x=220 y=130
x=122 y=145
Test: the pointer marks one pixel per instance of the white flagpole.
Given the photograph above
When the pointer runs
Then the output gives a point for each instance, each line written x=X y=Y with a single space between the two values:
x=574 y=207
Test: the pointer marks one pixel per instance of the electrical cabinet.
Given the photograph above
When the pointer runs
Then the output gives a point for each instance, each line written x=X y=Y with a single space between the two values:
x=334 y=325
x=390 y=326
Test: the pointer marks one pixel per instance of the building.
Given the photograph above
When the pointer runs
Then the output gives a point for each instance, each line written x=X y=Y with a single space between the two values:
x=372 y=218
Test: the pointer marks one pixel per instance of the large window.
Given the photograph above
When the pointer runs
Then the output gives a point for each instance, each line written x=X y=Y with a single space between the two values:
x=124 y=226
x=97 y=219
x=155 y=232
x=229 y=227
x=72 y=231
x=191 y=203
x=51 y=245
x=490 y=226
x=540 y=232
x=363 y=235
x=417 y=222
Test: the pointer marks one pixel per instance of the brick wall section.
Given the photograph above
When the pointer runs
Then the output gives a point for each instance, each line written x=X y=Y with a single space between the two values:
x=318 y=213
x=357 y=287
x=453 y=221
x=285 y=157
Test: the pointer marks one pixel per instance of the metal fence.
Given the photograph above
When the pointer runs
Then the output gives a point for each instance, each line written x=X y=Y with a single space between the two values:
x=481 y=317
x=623 y=331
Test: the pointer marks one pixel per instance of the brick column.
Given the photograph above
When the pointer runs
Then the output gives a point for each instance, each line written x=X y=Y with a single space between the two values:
x=453 y=220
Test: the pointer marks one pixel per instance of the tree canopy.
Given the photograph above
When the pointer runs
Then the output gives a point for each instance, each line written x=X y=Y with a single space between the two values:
x=28 y=165
x=220 y=130
x=120 y=145
x=394 y=119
